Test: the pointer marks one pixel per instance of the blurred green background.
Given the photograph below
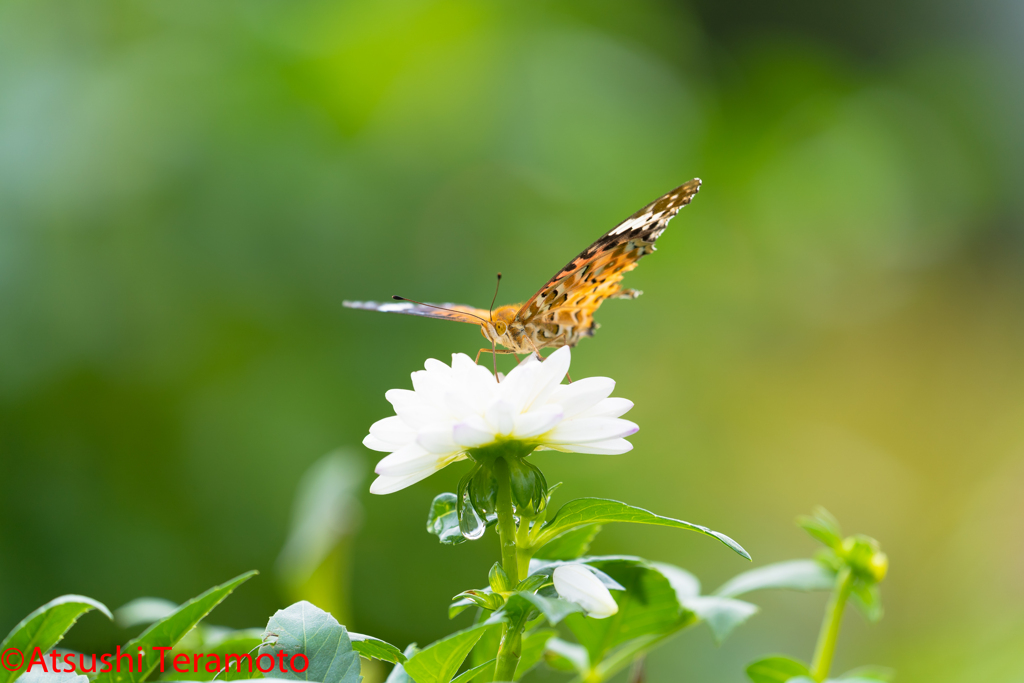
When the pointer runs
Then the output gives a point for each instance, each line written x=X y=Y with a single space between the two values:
x=188 y=190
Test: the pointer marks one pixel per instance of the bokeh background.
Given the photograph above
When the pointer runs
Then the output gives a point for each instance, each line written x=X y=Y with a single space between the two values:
x=188 y=191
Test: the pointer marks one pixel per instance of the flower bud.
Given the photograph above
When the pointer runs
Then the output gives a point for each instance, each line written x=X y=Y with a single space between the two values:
x=529 y=487
x=576 y=583
x=500 y=583
x=863 y=556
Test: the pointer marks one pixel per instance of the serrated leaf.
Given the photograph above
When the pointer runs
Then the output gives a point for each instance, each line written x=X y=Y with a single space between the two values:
x=570 y=545
x=44 y=628
x=439 y=661
x=801 y=575
x=776 y=669
x=586 y=511
x=170 y=629
x=307 y=629
x=375 y=648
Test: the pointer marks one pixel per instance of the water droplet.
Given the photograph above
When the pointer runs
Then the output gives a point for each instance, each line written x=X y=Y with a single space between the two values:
x=470 y=524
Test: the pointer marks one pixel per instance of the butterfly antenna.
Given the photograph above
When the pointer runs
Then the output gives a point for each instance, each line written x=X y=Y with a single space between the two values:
x=490 y=311
x=440 y=308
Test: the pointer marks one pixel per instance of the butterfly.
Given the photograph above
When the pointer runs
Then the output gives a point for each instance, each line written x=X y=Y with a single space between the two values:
x=562 y=311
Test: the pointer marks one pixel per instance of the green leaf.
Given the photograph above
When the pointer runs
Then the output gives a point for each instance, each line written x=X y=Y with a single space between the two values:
x=143 y=611
x=586 y=511
x=438 y=662
x=534 y=644
x=868 y=599
x=220 y=642
x=398 y=674
x=469 y=674
x=554 y=609
x=801 y=575
x=823 y=526
x=375 y=648
x=570 y=545
x=44 y=628
x=776 y=669
x=307 y=629
x=647 y=605
x=170 y=629
x=443 y=519
x=565 y=656
x=37 y=676
x=722 y=615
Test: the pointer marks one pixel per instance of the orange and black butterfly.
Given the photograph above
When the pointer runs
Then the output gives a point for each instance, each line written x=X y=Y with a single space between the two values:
x=562 y=312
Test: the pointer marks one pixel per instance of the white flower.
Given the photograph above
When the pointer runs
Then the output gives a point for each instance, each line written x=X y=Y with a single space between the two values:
x=454 y=409
x=576 y=583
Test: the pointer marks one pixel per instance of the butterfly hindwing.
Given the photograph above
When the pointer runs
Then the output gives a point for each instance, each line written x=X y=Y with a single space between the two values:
x=457 y=312
x=565 y=306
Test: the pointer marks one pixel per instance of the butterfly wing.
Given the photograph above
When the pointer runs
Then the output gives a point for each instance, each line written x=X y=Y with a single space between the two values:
x=457 y=312
x=564 y=307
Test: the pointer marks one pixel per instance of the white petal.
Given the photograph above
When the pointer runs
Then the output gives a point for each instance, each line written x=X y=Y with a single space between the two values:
x=576 y=583
x=406 y=461
x=590 y=429
x=392 y=430
x=610 y=447
x=609 y=407
x=438 y=439
x=384 y=484
x=375 y=444
x=472 y=432
x=434 y=365
x=582 y=394
x=552 y=371
x=413 y=410
x=537 y=421
x=501 y=416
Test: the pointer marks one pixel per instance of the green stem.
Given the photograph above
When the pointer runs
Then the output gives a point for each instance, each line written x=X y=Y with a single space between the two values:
x=506 y=521
x=511 y=644
x=830 y=625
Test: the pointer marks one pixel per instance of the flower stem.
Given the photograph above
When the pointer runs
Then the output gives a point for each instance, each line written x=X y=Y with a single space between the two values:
x=830 y=625
x=511 y=645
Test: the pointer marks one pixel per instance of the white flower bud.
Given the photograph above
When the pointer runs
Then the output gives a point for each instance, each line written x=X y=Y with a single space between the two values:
x=576 y=583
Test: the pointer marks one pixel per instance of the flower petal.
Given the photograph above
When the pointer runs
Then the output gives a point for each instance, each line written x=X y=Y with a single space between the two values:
x=536 y=422
x=472 y=432
x=590 y=429
x=609 y=447
x=383 y=484
x=375 y=444
x=501 y=416
x=438 y=440
x=406 y=461
x=392 y=430
x=609 y=407
x=582 y=394
x=576 y=583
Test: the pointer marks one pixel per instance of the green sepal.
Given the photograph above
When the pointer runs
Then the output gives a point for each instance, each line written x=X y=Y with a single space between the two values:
x=498 y=579
x=823 y=526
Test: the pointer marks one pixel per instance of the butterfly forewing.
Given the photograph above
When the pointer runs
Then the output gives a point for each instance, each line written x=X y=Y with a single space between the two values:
x=457 y=312
x=563 y=309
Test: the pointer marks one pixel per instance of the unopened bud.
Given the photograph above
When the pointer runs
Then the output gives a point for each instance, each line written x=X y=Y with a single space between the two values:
x=500 y=583
x=863 y=555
